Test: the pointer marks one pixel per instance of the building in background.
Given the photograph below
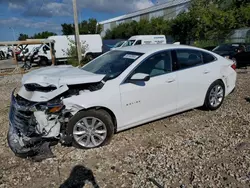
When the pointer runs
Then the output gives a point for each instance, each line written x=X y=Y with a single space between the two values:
x=167 y=10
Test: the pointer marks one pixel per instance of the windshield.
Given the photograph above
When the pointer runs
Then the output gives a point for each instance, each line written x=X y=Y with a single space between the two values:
x=113 y=63
x=129 y=43
x=225 y=47
x=118 y=44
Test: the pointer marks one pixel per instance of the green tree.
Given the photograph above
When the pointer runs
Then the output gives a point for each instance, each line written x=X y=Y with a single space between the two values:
x=144 y=27
x=85 y=27
x=43 y=35
x=23 y=36
x=68 y=29
x=182 y=28
x=71 y=52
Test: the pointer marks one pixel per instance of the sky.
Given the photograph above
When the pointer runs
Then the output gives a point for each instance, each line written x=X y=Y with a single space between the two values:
x=33 y=16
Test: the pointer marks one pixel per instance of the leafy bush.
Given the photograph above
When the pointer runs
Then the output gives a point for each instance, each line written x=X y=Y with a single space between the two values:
x=71 y=52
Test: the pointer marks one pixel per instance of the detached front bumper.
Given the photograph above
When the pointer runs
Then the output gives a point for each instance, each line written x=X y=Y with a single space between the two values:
x=22 y=139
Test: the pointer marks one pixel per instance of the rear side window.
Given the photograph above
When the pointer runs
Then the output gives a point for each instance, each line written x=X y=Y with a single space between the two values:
x=207 y=58
x=188 y=58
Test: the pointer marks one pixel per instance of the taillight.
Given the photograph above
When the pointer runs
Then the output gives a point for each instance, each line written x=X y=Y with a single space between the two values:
x=233 y=66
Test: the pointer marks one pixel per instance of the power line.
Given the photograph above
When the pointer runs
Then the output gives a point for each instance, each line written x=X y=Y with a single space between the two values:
x=40 y=8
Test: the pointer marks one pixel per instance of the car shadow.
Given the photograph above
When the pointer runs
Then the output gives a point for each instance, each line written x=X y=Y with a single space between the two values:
x=247 y=99
x=78 y=178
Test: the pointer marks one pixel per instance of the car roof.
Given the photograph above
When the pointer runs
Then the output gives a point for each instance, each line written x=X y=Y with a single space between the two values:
x=151 y=48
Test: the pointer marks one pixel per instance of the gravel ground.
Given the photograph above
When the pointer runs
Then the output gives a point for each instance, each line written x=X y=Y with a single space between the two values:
x=192 y=149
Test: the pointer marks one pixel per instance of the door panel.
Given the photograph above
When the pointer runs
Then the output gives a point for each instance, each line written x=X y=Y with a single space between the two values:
x=142 y=101
x=146 y=100
x=194 y=78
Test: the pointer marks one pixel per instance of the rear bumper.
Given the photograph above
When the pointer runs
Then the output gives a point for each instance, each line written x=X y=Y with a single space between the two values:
x=230 y=82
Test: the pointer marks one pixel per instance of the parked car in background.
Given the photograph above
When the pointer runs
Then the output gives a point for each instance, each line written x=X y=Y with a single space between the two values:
x=119 y=44
x=141 y=40
x=5 y=52
x=110 y=43
x=210 y=48
x=239 y=52
x=116 y=91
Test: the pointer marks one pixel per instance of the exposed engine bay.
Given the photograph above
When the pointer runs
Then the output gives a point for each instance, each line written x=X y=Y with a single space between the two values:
x=38 y=117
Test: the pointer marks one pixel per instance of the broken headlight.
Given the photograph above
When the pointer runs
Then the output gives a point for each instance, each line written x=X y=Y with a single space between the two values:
x=55 y=108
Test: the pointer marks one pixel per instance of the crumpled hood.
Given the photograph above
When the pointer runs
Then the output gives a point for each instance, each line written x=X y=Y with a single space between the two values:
x=60 y=75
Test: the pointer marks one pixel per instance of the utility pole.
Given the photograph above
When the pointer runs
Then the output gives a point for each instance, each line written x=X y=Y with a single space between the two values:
x=14 y=33
x=77 y=37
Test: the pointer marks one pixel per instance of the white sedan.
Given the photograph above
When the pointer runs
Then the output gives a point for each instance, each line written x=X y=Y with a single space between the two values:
x=121 y=89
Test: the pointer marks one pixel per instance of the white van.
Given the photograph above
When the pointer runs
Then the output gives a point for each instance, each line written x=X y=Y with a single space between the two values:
x=93 y=44
x=143 y=39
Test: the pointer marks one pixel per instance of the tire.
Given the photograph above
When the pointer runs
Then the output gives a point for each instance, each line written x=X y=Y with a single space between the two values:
x=210 y=96
x=43 y=62
x=99 y=115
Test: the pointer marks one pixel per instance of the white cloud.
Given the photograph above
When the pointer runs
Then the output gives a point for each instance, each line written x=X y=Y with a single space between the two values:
x=143 y=4
x=27 y=23
x=51 y=8
x=16 y=6
x=115 y=5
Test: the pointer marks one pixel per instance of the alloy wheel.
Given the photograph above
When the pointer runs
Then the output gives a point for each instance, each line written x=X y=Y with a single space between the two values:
x=90 y=132
x=216 y=96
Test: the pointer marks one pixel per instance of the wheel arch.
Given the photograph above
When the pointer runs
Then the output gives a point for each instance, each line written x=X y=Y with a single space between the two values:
x=221 y=80
x=43 y=57
x=110 y=112
x=223 y=84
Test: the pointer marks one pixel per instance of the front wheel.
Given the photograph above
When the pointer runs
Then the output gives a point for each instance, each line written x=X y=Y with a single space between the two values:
x=91 y=129
x=215 y=96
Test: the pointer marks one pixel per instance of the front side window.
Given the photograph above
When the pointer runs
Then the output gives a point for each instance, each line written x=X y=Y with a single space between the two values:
x=113 y=63
x=156 y=65
x=119 y=44
x=46 y=47
x=129 y=43
x=138 y=42
x=188 y=58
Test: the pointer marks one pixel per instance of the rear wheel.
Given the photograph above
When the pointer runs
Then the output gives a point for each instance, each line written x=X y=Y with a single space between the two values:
x=43 y=62
x=91 y=129
x=215 y=96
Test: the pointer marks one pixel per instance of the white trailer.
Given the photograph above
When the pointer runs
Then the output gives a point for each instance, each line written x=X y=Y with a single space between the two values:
x=93 y=47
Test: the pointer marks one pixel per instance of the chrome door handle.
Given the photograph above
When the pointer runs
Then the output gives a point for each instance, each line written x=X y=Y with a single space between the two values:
x=170 y=80
x=206 y=72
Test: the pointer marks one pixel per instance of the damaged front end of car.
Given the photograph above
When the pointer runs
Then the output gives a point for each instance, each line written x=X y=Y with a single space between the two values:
x=38 y=117
x=34 y=126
